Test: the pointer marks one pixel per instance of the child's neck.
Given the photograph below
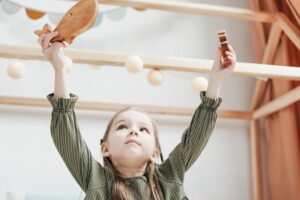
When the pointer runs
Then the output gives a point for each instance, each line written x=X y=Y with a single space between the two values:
x=128 y=170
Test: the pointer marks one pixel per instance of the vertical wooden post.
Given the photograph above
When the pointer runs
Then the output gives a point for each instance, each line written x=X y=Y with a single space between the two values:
x=258 y=94
x=257 y=189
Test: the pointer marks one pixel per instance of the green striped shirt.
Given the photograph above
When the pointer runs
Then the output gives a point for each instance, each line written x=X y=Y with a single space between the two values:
x=97 y=182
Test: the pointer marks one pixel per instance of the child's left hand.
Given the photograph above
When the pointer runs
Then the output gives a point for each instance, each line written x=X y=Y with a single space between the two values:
x=219 y=72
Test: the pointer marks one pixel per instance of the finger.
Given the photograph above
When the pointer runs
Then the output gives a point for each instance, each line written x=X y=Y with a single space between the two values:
x=41 y=38
x=231 y=49
x=48 y=38
x=227 y=53
x=232 y=60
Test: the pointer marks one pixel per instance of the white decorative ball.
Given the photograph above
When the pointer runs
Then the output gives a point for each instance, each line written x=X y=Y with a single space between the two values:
x=116 y=14
x=155 y=77
x=10 y=195
x=15 y=69
x=199 y=84
x=68 y=63
x=134 y=64
x=95 y=66
x=10 y=7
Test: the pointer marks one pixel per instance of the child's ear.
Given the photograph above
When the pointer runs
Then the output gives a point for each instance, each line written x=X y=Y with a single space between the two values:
x=105 y=150
x=155 y=155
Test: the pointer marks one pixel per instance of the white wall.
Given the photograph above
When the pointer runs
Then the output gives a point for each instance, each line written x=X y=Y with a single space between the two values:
x=29 y=160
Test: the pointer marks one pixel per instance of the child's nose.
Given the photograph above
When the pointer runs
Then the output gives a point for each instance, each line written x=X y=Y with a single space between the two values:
x=133 y=132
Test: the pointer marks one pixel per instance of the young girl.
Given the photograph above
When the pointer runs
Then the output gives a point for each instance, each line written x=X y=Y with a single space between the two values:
x=130 y=146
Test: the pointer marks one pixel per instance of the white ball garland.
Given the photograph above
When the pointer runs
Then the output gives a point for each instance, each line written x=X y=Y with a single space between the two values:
x=199 y=84
x=134 y=64
x=155 y=77
x=16 y=70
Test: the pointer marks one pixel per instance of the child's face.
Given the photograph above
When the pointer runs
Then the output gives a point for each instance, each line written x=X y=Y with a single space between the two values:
x=131 y=137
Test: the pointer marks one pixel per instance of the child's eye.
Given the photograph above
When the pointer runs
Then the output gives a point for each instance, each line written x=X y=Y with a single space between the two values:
x=144 y=129
x=121 y=127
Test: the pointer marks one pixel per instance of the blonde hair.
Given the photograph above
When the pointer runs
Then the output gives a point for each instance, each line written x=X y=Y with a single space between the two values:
x=119 y=189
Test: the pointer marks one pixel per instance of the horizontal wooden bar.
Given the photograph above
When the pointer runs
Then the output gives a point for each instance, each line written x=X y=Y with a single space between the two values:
x=54 y=6
x=163 y=110
x=278 y=103
x=155 y=62
x=200 y=9
x=197 y=8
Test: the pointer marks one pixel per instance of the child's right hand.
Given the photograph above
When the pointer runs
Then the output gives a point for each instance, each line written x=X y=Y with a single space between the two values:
x=53 y=51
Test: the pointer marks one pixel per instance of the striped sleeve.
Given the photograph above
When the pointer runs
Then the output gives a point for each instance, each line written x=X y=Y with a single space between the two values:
x=69 y=142
x=193 y=140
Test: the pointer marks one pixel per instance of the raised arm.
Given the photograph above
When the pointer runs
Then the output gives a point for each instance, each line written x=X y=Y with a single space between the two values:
x=64 y=127
x=201 y=126
x=54 y=53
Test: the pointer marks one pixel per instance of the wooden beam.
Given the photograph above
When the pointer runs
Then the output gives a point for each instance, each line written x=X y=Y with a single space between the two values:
x=55 y=6
x=215 y=10
x=269 y=54
x=294 y=6
x=164 y=110
x=292 y=32
x=197 y=8
x=256 y=161
x=212 y=10
x=258 y=93
x=154 y=62
x=272 y=44
x=279 y=103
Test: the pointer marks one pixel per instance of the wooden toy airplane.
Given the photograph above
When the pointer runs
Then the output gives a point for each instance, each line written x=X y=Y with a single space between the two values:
x=76 y=21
